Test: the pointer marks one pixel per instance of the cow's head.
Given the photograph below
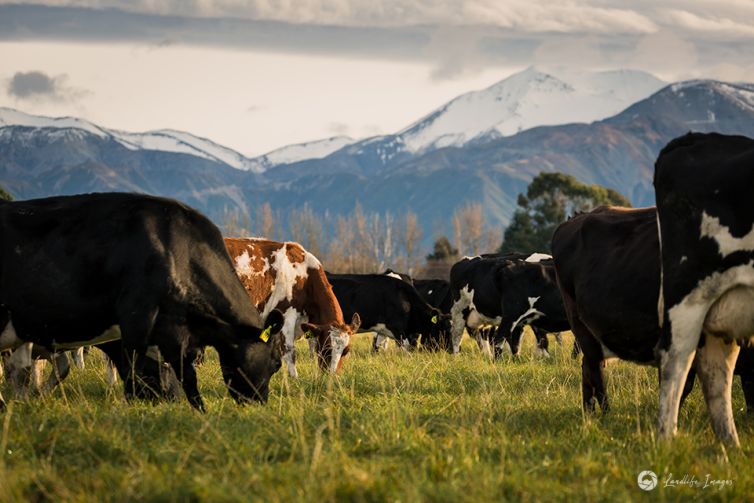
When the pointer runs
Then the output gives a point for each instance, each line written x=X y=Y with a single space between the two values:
x=333 y=341
x=248 y=364
x=440 y=325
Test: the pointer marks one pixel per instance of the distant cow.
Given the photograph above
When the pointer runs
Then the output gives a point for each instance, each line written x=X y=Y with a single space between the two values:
x=286 y=277
x=72 y=267
x=389 y=307
x=436 y=292
x=477 y=288
x=608 y=266
x=704 y=185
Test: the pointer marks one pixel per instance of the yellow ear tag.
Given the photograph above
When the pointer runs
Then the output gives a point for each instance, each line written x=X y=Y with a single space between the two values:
x=308 y=334
x=434 y=319
x=265 y=335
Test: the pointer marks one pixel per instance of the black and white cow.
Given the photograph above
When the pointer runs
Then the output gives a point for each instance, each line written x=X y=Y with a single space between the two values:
x=704 y=184
x=608 y=266
x=73 y=267
x=389 y=307
x=477 y=286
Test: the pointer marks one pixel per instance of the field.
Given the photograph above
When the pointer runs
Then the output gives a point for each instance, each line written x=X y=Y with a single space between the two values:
x=392 y=427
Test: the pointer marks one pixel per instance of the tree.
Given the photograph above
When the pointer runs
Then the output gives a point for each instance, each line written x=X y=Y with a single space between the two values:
x=5 y=195
x=549 y=199
x=444 y=251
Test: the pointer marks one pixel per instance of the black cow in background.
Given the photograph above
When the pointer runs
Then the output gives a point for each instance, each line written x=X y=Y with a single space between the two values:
x=390 y=307
x=608 y=267
x=72 y=267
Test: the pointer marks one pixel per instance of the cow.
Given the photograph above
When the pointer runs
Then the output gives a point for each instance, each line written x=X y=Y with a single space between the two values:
x=705 y=211
x=477 y=289
x=72 y=267
x=608 y=267
x=286 y=277
x=437 y=293
x=389 y=307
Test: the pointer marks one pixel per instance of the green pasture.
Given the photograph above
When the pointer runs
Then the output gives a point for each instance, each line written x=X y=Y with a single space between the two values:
x=398 y=427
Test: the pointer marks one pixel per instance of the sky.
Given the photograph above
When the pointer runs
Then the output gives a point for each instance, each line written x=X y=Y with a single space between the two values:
x=260 y=74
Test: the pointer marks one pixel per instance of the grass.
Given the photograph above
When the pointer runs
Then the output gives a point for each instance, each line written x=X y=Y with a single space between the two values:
x=392 y=427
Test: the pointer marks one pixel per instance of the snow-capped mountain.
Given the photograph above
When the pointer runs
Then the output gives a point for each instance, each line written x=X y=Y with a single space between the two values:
x=164 y=140
x=303 y=151
x=527 y=99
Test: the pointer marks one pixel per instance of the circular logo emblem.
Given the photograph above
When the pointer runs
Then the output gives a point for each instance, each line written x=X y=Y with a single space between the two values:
x=647 y=480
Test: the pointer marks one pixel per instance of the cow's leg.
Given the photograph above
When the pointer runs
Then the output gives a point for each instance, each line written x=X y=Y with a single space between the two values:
x=715 y=362
x=688 y=387
x=136 y=325
x=576 y=351
x=78 y=357
x=482 y=339
x=593 y=385
x=685 y=330
x=61 y=366
x=542 y=343
x=559 y=338
x=459 y=312
x=20 y=369
x=290 y=320
x=313 y=347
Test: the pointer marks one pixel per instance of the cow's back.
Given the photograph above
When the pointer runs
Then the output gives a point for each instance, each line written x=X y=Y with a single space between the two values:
x=62 y=257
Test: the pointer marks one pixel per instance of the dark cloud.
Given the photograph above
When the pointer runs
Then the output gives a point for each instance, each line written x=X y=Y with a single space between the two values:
x=36 y=85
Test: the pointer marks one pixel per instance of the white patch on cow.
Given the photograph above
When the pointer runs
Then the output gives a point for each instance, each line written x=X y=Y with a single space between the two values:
x=537 y=257
x=8 y=338
x=720 y=304
x=474 y=320
x=286 y=275
x=429 y=292
x=244 y=267
x=529 y=315
x=290 y=322
x=484 y=345
x=726 y=243
x=393 y=275
x=683 y=259
x=466 y=257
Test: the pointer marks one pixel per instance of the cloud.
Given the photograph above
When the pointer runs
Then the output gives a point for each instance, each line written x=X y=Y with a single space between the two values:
x=668 y=55
x=36 y=85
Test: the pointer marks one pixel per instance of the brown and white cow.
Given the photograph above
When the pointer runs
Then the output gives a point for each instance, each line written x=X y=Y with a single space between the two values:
x=286 y=277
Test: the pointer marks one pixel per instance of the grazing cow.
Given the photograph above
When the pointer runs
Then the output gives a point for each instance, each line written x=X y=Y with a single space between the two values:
x=436 y=292
x=705 y=210
x=286 y=277
x=477 y=286
x=72 y=267
x=389 y=307
x=608 y=266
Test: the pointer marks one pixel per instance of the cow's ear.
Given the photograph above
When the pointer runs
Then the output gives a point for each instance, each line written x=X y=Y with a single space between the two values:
x=273 y=324
x=308 y=329
x=355 y=321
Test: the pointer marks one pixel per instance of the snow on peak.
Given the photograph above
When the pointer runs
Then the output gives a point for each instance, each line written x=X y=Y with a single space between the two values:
x=301 y=151
x=165 y=140
x=530 y=98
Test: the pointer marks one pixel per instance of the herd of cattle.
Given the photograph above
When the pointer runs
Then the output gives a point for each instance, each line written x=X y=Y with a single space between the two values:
x=151 y=282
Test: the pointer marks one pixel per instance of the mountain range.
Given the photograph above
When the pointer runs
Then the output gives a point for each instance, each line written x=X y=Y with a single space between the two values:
x=482 y=147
